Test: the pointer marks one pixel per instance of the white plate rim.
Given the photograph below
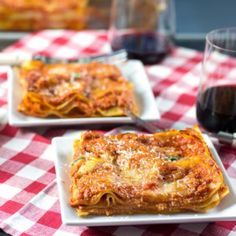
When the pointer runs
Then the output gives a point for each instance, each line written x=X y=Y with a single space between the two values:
x=136 y=73
x=219 y=215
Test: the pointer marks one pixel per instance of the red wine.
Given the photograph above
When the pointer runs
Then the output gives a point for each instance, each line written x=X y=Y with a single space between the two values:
x=216 y=109
x=150 y=48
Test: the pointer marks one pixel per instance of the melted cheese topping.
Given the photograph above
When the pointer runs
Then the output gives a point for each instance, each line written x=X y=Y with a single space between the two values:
x=165 y=172
x=74 y=90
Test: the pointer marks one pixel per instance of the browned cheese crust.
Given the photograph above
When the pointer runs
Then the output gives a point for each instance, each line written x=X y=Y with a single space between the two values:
x=166 y=172
x=75 y=90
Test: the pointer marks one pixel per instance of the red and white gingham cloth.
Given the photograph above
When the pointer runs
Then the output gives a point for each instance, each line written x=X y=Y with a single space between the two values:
x=29 y=202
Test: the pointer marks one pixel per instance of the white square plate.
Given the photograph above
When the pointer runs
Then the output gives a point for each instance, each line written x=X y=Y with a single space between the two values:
x=226 y=210
x=133 y=70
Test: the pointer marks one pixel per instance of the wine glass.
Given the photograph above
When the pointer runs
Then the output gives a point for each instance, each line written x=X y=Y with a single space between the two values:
x=216 y=100
x=144 y=28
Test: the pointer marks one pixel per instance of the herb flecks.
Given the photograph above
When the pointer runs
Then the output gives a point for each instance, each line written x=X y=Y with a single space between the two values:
x=74 y=76
x=79 y=159
x=172 y=158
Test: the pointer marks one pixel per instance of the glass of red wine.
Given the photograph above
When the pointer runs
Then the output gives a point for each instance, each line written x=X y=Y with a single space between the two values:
x=216 y=100
x=144 y=28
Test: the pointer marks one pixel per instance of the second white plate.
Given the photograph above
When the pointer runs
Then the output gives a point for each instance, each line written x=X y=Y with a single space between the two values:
x=226 y=210
x=133 y=70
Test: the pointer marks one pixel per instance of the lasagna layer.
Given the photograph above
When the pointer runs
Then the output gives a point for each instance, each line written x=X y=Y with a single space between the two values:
x=74 y=90
x=166 y=172
x=25 y=15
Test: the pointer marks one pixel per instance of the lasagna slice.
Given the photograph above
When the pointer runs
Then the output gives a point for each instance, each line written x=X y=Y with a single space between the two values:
x=74 y=90
x=166 y=172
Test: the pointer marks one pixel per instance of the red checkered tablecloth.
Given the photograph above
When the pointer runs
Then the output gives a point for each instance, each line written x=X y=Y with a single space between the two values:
x=29 y=202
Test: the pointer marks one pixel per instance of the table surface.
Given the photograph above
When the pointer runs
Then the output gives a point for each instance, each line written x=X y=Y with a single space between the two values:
x=28 y=191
